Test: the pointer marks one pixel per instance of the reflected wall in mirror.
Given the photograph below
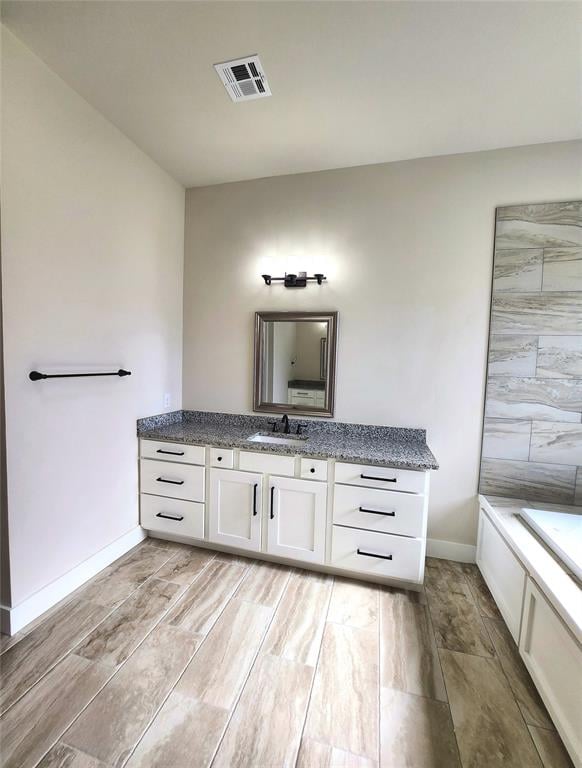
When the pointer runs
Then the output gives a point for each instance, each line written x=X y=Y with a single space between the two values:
x=295 y=362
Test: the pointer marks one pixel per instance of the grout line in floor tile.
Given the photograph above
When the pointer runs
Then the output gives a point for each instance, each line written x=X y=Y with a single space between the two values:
x=232 y=596
x=315 y=669
x=78 y=594
x=525 y=723
x=171 y=607
x=251 y=667
x=55 y=663
x=120 y=666
x=448 y=701
x=176 y=553
x=14 y=643
x=179 y=596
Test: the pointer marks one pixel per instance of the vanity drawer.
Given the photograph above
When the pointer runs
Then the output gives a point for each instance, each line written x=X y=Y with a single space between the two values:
x=379 y=554
x=267 y=463
x=180 y=481
x=381 y=477
x=222 y=457
x=184 y=454
x=302 y=397
x=182 y=518
x=313 y=469
x=376 y=510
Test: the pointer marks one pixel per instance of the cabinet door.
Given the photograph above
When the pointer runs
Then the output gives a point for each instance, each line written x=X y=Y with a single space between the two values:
x=297 y=511
x=235 y=508
x=554 y=660
x=503 y=573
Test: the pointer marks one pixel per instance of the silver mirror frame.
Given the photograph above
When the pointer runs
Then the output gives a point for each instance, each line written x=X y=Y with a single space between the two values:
x=261 y=318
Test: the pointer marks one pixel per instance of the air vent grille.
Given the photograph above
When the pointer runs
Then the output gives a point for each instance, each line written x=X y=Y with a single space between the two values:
x=244 y=79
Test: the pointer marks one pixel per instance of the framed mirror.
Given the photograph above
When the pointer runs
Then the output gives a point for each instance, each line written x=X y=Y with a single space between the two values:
x=295 y=355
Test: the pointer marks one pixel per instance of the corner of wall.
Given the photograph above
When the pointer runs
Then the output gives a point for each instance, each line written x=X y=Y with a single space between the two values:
x=5 y=592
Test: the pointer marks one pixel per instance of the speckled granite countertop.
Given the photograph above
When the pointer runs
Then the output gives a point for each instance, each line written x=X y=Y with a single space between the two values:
x=361 y=443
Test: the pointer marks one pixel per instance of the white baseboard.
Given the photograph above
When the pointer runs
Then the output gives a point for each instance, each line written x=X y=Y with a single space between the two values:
x=14 y=619
x=451 y=550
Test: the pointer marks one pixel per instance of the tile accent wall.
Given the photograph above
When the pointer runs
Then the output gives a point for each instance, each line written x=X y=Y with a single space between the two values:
x=532 y=437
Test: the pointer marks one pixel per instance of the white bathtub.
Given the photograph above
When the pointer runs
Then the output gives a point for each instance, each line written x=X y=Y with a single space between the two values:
x=562 y=532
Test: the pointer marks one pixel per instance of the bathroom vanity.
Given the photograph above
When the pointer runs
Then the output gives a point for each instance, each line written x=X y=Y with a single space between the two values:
x=340 y=497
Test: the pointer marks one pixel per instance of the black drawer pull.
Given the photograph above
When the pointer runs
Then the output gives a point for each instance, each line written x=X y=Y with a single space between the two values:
x=170 y=453
x=219 y=458
x=377 y=512
x=178 y=518
x=171 y=482
x=312 y=470
x=374 y=554
x=384 y=479
x=272 y=514
x=255 y=499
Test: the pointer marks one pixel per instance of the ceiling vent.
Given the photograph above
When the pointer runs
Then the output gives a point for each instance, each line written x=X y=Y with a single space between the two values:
x=244 y=79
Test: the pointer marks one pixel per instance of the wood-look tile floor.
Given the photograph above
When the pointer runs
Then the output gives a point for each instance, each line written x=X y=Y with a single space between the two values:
x=177 y=657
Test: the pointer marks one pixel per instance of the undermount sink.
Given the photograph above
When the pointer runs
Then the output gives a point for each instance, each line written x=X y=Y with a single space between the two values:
x=262 y=437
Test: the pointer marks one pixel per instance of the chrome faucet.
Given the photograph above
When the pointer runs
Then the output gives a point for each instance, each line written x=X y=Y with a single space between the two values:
x=285 y=420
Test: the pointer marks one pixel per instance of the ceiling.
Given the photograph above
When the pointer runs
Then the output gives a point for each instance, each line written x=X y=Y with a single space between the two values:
x=353 y=82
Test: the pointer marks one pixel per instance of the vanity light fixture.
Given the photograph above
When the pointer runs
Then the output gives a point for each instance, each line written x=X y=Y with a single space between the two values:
x=295 y=281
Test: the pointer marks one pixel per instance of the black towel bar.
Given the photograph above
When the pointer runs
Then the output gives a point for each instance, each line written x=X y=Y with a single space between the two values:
x=36 y=376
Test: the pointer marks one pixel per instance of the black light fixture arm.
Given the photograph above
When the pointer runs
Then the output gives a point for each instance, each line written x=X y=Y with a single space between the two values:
x=37 y=376
x=291 y=280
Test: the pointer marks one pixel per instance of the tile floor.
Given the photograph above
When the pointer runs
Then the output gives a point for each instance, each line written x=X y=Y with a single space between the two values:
x=178 y=657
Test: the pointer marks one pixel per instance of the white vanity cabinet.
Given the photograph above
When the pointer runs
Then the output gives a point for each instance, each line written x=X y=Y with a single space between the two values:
x=297 y=519
x=379 y=521
x=308 y=398
x=172 y=480
x=345 y=517
x=235 y=505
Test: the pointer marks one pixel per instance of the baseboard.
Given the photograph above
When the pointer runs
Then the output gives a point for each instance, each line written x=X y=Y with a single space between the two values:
x=451 y=550
x=14 y=619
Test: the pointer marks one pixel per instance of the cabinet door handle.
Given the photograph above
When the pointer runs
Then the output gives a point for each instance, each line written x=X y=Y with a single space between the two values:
x=177 y=518
x=171 y=482
x=170 y=453
x=255 y=499
x=530 y=620
x=384 y=479
x=272 y=513
x=373 y=554
x=378 y=512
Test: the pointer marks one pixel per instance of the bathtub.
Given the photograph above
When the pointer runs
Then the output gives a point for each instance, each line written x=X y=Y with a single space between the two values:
x=561 y=532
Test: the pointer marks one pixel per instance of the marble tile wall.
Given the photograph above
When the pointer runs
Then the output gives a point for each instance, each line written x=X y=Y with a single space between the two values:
x=532 y=436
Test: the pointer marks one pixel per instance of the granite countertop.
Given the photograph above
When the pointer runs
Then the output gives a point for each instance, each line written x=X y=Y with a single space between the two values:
x=550 y=574
x=358 y=443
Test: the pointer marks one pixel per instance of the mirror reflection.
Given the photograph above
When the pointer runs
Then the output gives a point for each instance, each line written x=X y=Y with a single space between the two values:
x=294 y=363
x=294 y=367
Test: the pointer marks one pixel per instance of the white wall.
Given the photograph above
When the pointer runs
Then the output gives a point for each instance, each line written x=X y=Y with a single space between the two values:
x=408 y=250
x=92 y=251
